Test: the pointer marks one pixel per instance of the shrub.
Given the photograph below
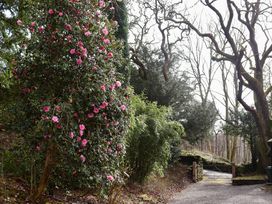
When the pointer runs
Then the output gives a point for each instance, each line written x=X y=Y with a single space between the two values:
x=150 y=138
x=72 y=101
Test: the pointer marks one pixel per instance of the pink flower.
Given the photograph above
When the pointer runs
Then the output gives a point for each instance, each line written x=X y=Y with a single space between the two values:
x=101 y=4
x=51 y=11
x=112 y=87
x=84 y=51
x=110 y=178
x=80 y=44
x=78 y=139
x=96 y=110
x=112 y=8
x=87 y=34
x=38 y=148
x=72 y=51
x=71 y=135
x=58 y=109
x=82 y=158
x=106 y=41
x=110 y=55
x=81 y=133
x=41 y=29
x=32 y=24
x=90 y=115
x=59 y=126
x=104 y=105
x=118 y=83
x=68 y=27
x=115 y=123
x=19 y=22
x=105 y=31
x=119 y=147
x=98 y=13
x=55 y=119
x=46 y=109
x=60 y=14
x=82 y=127
x=79 y=61
x=103 y=87
x=69 y=38
x=123 y=107
x=84 y=142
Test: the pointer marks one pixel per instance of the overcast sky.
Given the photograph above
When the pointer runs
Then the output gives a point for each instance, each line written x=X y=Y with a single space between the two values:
x=205 y=17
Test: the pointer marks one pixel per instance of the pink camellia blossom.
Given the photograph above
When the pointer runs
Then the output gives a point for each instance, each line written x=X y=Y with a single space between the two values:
x=58 y=109
x=55 y=119
x=90 y=115
x=41 y=29
x=123 y=107
x=78 y=139
x=79 y=61
x=58 y=126
x=115 y=123
x=110 y=55
x=82 y=127
x=71 y=135
x=98 y=12
x=96 y=110
x=82 y=158
x=118 y=83
x=104 y=105
x=60 y=14
x=33 y=24
x=68 y=27
x=38 y=148
x=105 y=31
x=110 y=178
x=46 y=109
x=103 y=87
x=84 y=51
x=106 y=41
x=69 y=38
x=101 y=4
x=84 y=142
x=80 y=44
x=51 y=11
x=72 y=51
x=81 y=133
x=112 y=87
x=19 y=22
x=87 y=34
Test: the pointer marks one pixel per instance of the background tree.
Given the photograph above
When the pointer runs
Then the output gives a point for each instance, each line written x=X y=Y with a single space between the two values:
x=243 y=55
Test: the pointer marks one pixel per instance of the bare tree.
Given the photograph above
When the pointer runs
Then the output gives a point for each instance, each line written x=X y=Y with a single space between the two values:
x=243 y=54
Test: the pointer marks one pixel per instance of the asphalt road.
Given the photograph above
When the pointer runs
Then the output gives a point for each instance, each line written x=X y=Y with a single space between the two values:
x=216 y=188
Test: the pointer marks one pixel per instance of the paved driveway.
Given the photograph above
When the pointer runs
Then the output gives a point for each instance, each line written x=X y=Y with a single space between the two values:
x=216 y=188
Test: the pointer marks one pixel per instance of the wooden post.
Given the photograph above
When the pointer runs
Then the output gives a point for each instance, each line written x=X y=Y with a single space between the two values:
x=194 y=171
x=233 y=170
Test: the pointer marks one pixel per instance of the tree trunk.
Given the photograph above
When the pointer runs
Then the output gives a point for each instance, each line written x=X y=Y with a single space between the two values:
x=49 y=163
x=263 y=125
x=233 y=149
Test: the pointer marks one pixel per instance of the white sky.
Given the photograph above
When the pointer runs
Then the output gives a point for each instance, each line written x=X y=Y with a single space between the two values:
x=204 y=16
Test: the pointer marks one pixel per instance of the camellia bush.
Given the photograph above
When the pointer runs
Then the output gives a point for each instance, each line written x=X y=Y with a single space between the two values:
x=72 y=102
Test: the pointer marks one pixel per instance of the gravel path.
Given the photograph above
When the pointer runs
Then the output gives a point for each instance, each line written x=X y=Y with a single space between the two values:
x=216 y=188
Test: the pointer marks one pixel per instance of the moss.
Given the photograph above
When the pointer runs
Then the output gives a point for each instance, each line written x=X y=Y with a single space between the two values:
x=253 y=177
x=206 y=157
